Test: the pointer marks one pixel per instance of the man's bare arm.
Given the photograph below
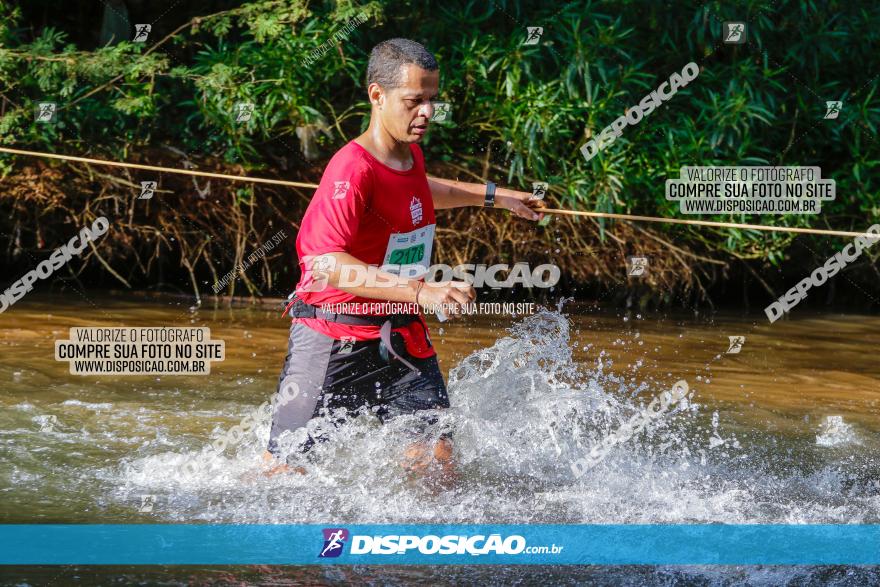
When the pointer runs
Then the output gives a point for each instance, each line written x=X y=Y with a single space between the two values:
x=381 y=285
x=448 y=193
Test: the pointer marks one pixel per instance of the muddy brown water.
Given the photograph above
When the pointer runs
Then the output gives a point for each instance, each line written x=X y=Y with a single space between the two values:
x=796 y=413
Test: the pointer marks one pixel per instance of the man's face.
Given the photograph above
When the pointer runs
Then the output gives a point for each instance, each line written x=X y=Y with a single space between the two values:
x=405 y=111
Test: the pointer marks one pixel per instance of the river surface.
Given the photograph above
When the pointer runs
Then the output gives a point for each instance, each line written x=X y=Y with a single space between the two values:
x=785 y=431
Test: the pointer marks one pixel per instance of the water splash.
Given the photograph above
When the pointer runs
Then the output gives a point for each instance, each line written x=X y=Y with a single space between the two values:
x=835 y=432
x=522 y=411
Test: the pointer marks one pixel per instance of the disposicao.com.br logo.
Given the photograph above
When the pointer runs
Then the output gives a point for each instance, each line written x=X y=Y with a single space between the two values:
x=476 y=545
x=334 y=541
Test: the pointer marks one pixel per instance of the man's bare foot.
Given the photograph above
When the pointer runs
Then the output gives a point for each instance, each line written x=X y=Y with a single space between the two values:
x=436 y=466
x=268 y=459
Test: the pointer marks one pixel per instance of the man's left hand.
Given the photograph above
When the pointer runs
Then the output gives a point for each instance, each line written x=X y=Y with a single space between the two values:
x=520 y=203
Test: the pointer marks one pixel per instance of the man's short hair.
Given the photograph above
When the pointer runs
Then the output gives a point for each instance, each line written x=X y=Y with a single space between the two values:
x=387 y=57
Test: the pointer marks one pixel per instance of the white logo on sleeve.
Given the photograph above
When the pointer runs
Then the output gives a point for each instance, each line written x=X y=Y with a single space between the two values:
x=340 y=189
x=415 y=210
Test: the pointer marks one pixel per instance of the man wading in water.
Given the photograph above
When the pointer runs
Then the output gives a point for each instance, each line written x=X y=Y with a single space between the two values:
x=375 y=207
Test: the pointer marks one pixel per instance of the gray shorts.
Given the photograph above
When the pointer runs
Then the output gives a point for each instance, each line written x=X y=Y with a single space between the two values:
x=331 y=374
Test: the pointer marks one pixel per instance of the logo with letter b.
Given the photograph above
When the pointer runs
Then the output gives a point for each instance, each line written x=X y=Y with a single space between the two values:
x=334 y=540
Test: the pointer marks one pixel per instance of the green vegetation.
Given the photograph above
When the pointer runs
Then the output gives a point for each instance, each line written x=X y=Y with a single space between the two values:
x=519 y=113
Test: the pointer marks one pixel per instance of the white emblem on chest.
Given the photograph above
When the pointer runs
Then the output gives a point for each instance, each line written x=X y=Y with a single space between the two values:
x=415 y=210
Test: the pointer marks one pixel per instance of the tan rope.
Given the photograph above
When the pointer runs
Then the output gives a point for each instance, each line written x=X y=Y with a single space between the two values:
x=298 y=184
x=629 y=217
x=707 y=223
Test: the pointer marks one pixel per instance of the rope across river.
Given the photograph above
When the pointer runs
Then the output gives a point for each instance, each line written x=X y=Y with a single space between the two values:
x=299 y=184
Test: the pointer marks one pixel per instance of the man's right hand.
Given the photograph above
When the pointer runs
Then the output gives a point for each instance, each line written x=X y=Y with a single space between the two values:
x=447 y=297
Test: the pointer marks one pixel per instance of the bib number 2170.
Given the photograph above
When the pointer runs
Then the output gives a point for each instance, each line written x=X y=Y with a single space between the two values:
x=409 y=254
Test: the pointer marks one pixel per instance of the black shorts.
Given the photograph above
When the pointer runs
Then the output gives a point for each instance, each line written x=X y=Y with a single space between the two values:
x=322 y=374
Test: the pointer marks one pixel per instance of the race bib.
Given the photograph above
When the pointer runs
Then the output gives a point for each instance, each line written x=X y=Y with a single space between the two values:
x=409 y=254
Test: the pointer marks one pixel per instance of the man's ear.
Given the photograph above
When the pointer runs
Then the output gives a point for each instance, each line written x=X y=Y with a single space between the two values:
x=376 y=95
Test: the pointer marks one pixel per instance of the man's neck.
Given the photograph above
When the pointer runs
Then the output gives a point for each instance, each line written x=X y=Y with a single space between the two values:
x=383 y=147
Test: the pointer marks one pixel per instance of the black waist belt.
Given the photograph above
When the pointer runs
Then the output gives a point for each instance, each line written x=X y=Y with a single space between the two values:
x=299 y=309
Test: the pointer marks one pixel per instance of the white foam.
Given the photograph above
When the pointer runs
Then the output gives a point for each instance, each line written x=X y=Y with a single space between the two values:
x=834 y=431
x=90 y=406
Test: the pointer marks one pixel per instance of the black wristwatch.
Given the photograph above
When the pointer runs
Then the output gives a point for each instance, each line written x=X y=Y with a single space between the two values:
x=489 y=202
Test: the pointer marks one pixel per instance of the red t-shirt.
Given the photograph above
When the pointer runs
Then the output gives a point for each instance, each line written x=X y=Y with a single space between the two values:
x=358 y=205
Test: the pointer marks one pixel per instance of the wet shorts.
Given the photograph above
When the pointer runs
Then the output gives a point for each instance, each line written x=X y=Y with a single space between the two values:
x=330 y=374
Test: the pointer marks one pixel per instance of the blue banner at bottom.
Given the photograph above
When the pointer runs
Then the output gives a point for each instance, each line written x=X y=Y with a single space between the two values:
x=275 y=544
